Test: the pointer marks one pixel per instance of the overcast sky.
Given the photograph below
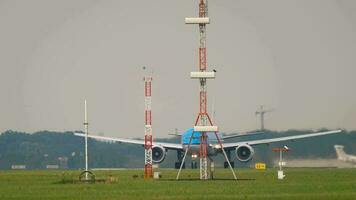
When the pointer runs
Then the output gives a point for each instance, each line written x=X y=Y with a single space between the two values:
x=296 y=56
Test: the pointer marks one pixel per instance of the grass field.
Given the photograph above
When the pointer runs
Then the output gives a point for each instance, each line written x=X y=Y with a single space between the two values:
x=252 y=184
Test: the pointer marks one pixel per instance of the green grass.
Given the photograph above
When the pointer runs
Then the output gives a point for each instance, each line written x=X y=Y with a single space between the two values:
x=252 y=184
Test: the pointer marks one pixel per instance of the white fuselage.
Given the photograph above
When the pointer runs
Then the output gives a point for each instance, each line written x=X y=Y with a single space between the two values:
x=195 y=150
x=348 y=158
x=341 y=155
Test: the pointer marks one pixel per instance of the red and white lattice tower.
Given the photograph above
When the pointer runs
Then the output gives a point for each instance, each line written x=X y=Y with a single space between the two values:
x=203 y=123
x=148 y=128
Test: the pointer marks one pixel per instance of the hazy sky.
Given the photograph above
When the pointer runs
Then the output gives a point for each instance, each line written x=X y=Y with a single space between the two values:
x=297 y=56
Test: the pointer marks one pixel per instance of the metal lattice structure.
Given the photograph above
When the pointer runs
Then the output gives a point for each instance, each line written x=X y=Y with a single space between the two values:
x=203 y=114
x=203 y=123
x=148 y=172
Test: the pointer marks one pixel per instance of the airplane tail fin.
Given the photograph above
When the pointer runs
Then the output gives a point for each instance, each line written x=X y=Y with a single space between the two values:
x=340 y=153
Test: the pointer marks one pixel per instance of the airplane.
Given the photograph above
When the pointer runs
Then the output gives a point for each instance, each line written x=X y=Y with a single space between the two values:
x=341 y=155
x=243 y=150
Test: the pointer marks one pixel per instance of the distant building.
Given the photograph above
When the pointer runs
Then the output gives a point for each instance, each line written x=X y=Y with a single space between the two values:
x=18 y=166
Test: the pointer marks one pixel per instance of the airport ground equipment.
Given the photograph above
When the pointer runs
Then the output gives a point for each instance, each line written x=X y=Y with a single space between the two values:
x=148 y=171
x=87 y=177
x=281 y=174
x=203 y=123
x=157 y=175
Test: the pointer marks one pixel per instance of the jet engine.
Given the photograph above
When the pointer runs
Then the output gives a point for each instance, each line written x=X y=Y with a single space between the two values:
x=158 y=154
x=244 y=153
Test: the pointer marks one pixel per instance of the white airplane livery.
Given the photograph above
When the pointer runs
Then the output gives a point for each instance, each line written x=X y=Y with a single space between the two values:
x=243 y=150
x=341 y=155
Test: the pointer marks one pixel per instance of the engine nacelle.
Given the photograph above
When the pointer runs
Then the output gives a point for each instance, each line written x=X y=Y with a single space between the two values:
x=244 y=153
x=158 y=154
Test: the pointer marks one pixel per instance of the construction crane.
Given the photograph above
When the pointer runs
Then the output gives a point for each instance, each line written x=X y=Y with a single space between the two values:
x=262 y=111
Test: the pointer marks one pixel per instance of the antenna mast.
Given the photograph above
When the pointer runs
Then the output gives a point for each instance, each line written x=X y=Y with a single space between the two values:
x=148 y=128
x=203 y=123
x=86 y=137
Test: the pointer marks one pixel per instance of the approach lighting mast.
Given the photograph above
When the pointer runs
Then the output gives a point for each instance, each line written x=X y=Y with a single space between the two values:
x=148 y=173
x=203 y=123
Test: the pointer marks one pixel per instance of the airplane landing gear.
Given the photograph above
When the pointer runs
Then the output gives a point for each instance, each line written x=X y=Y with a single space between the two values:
x=179 y=162
x=226 y=164
x=177 y=165
x=194 y=165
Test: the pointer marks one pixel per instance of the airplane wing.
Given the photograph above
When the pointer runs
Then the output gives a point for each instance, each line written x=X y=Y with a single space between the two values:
x=279 y=139
x=241 y=135
x=133 y=141
x=175 y=134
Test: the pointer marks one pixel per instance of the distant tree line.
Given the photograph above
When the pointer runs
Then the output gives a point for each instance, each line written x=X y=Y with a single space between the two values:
x=40 y=149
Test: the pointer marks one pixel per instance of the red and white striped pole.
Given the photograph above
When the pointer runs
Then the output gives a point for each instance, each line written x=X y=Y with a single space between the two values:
x=148 y=173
